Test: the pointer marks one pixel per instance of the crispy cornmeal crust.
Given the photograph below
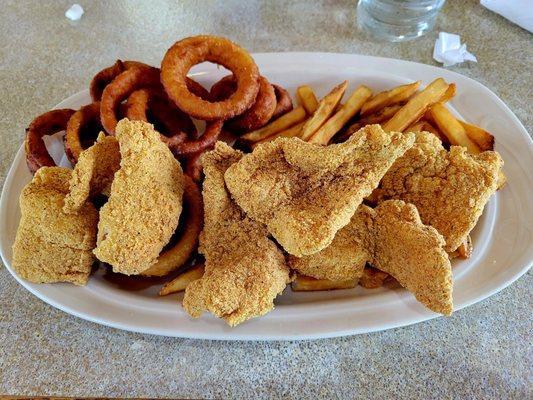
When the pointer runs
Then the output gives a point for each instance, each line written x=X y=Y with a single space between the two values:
x=244 y=269
x=449 y=189
x=52 y=246
x=305 y=193
x=393 y=239
x=143 y=210
x=94 y=172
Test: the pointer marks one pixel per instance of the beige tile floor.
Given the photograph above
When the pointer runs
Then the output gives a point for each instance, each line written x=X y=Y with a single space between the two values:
x=481 y=352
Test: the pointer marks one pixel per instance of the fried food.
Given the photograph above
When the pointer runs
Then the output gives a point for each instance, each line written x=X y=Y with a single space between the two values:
x=93 y=173
x=152 y=105
x=326 y=107
x=392 y=238
x=106 y=76
x=145 y=204
x=483 y=139
x=186 y=53
x=244 y=269
x=451 y=128
x=372 y=278
x=284 y=122
x=283 y=101
x=305 y=193
x=449 y=189
x=258 y=114
x=413 y=254
x=324 y=134
x=304 y=283
x=120 y=89
x=51 y=122
x=293 y=131
x=180 y=283
x=82 y=130
x=307 y=98
x=177 y=254
x=389 y=98
x=416 y=106
x=52 y=246
x=346 y=256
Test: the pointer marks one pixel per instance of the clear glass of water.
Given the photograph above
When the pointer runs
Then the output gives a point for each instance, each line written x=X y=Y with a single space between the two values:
x=397 y=20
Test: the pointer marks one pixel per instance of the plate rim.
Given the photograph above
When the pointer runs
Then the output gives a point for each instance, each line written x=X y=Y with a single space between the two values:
x=234 y=334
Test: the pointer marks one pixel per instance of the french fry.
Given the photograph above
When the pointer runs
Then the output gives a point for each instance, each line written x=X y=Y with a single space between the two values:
x=416 y=127
x=416 y=106
x=382 y=115
x=372 y=278
x=466 y=248
x=324 y=134
x=389 y=97
x=481 y=137
x=326 y=107
x=449 y=93
x=426 y=126
x=179 y=283
x=287 y=120
x=451 y=128
x=293 y=131
x=307 y=99
x=304 y=283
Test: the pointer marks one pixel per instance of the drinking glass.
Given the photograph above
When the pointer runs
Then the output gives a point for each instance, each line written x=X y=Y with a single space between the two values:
x=397 y=20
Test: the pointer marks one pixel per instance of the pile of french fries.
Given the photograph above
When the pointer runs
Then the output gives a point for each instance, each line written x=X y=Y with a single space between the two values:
x=404 y=108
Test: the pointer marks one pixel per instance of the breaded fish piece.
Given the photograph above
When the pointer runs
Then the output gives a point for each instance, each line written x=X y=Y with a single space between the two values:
x=449 y=189
x=52 y=246
x=94 y=172
x=244 y=269
x=413 y=253
x=392 y=238
x=346 y=256
x=145 y=204
x=304 y=192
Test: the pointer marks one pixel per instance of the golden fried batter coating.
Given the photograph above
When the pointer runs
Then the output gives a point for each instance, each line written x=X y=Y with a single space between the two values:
x=143 y=210
x=52 y=246
x=94 y=172
x=305 y=193
x=449 y=189
x=244 y=269
x=393 y=239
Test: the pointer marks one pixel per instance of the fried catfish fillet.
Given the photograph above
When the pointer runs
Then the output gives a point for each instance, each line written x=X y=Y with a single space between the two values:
x=244 y=269
x=52 y=246
x=145 y=204
x=94 y=172
x=449 y=189
x=392 y=238
x=305 y=193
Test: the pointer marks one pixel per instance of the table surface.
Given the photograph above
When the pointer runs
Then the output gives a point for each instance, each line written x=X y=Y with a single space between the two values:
x=484 y=351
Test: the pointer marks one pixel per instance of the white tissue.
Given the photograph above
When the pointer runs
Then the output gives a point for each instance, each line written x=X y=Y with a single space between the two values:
x=518 y=11
x=449 y=50
x=74 y=13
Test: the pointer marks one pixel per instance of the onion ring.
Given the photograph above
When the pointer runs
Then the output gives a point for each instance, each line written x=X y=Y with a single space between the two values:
x=119 y=90
x=208 y=139
x=153 y=106
x=177 y=254
x=51 y=122
x=193 y=50
x=82 y=130
x=105 y=76
x=193 y=166
x=283 y=102
x=258 y=114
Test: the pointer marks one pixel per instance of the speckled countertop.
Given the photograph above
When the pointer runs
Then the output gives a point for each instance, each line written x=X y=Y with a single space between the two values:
x=484 y=351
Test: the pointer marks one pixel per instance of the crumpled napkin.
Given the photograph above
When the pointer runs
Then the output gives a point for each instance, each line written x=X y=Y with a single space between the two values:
x=518 y=11
x=449 y=50
x=74 y=13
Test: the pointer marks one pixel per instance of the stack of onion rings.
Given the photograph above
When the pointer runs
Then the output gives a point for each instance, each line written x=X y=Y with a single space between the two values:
x=51 y=122
x=283 y=102
x=186 y=53
x=258 y=114
x=106 y=76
